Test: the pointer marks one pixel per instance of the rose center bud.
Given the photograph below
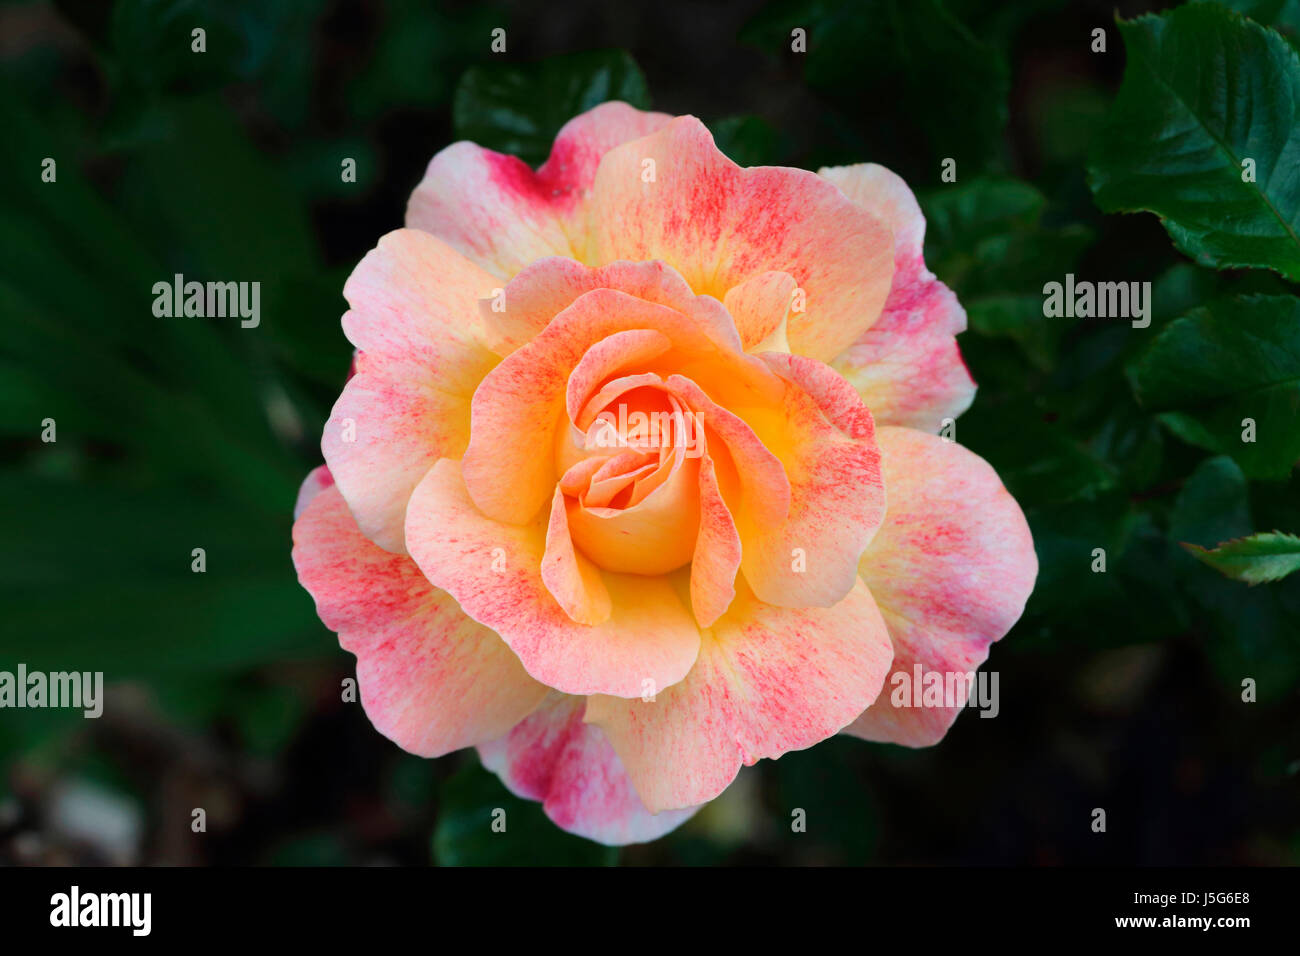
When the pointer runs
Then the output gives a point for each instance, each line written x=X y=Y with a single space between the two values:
x=630 y=474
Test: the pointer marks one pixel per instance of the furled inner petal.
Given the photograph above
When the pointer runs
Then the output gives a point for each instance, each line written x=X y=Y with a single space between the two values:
x=520 y=404
x=575 y=583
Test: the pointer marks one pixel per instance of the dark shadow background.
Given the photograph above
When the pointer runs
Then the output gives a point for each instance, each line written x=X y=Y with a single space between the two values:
x=1118 y=690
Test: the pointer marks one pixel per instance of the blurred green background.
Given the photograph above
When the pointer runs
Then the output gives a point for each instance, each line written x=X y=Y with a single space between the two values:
x=1119 y=690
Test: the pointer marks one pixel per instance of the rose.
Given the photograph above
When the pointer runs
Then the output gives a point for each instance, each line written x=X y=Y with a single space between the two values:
x=619 y=625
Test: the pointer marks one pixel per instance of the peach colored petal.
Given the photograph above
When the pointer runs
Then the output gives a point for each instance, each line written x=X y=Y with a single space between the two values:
x=673 y=196
x=572 y=579
x=494 y=571
x=548 y=286
x=569 y=766
x=907 y=366
x=951 y=569
x=716 y=560
x=824 y=439
x=768 y=680
x=421 y=354
x=430 y=679
x=753 y=481
x=502 y=214
x=655 y=536
x=518 y=406
x=611 y=355
x=761 y=306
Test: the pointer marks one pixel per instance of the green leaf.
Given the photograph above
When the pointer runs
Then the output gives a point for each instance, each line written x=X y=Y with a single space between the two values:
x=519 y=109
x=465 y=835
x=889 y=51
x=1213 y=504
x=1204 y=91
x=1018 y=318
x=985 y=238
x=1231 y=360
x=1261 y=557
x=1281 y=15
x=746 y=140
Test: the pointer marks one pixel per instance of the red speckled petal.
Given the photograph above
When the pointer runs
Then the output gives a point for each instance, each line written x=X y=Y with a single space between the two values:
x=907 y=366
x=421 y=354
x=769 y=680
x=761 y=306
x=570 y=767
x=951 y=569
x=317 y=480
x=502 y=214
x=825 y=439
x=431 y=680
x=674 y=196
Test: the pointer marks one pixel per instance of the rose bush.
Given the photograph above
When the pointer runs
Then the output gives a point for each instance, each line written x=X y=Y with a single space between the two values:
x=620 y=618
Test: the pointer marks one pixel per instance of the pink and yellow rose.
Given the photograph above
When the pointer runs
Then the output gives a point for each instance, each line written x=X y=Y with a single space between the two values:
x=617 y=617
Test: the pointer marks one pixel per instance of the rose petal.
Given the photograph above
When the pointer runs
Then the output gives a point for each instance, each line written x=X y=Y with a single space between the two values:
x=828 y=452
x=317 y=480
x=572 y=579
x=415 y=321
x=517 y=408
x=907 y=366
x=500 y=213
x=547 y=287
x=768 y=680
x=493 y=570
x=760 y=306
x=716 y=561
x=431 y=680
x=951 y=569
x=570 y=767
x=718 y=225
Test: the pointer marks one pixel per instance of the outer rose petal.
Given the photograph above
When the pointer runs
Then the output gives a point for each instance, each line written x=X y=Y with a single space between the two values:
x=415 y=319
x=431 y=680
x=317 y=480
x=493 y=570
x=768 y=680
x=907 y=366
x=500 y=213
x=951 y=569
x=719 y=224
x=555 y=758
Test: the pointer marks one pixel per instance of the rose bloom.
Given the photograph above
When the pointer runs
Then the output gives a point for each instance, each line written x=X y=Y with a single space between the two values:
x=619 y=616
